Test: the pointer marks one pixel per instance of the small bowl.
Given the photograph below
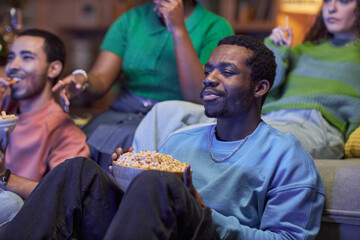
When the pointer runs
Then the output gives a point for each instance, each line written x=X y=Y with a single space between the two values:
x=8 y=123
x=124 y=175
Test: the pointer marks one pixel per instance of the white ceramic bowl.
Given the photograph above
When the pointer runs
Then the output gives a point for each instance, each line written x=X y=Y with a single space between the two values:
x=8 y=123
x=124 y=175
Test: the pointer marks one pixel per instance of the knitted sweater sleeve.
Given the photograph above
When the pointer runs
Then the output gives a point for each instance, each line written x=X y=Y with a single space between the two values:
x=282 y=57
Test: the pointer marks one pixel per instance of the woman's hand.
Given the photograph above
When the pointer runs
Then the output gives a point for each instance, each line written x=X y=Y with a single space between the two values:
x=282 y=36
x=187 y=179
x=69 y=87
x=172 y=13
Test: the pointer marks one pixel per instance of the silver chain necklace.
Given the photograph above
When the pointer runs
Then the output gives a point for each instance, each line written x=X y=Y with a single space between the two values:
x=230 y=155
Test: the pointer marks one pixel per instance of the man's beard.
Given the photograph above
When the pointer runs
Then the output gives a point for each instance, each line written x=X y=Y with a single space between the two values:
x=216 y=114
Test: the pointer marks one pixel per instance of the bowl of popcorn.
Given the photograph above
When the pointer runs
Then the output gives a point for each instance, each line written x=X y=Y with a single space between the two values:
x=8 y=121
x=131 y=164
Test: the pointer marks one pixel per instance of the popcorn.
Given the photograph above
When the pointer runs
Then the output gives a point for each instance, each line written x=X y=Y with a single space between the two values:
x=3 y=116
x=151 y=160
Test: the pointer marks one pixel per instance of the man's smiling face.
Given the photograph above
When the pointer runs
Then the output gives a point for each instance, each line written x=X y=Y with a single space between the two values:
x=27 y=64
x=227 y=88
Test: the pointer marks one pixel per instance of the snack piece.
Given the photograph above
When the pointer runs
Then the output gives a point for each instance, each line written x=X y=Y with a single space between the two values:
x=151 y=160
x=3 y=116
x=13 y=81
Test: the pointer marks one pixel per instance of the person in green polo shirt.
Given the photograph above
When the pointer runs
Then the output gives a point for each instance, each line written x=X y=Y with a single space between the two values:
x=160 y=49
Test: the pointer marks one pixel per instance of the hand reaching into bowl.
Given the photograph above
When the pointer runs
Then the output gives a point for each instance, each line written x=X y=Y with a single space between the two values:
x=116 y=154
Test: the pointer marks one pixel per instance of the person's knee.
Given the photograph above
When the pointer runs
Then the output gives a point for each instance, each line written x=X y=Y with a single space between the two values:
x=157 y=187
x=151 y=179
x=70 y=167
x=86 y=162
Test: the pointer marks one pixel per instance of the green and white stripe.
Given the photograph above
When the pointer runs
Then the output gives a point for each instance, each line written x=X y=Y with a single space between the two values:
x=321 y=77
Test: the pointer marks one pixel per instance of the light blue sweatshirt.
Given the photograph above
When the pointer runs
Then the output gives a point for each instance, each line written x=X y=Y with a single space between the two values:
x=269 y=189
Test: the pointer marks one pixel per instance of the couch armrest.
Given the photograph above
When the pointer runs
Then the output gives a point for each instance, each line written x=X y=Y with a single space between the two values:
x=341 y=216
x=342 y=186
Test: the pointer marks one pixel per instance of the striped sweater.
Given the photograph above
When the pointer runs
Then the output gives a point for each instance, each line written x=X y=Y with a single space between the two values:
x=321 y=77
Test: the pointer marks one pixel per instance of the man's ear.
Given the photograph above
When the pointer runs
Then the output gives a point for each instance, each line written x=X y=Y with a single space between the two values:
x=55 y=68
x=261 y=88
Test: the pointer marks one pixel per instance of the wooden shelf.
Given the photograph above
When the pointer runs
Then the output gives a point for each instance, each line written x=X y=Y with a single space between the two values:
x=92 y=33
x=249 y=16
x=254 y=26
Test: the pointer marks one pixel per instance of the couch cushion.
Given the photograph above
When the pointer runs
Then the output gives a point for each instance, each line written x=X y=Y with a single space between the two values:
x=342 y=186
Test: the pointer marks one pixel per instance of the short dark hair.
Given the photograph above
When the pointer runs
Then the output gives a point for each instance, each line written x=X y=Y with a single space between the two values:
x=54 y=47
x=262 y=63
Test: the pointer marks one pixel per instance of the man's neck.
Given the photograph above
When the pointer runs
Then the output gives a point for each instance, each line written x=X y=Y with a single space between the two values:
x=35 y=103
x=236 y=129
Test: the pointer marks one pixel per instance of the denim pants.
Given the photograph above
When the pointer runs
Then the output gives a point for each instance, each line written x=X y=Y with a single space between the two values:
x=10 y=205
x=79 y=200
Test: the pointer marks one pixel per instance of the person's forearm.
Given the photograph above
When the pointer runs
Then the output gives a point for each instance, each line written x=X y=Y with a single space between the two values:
x=19 y=185
x=229 y=227
x=102 y=75
x=282 y=56
x=95 y=88
x=190 y=70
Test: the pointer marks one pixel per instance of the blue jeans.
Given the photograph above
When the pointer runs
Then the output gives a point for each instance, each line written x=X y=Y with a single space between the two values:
x=78 y=199
x=10 y=204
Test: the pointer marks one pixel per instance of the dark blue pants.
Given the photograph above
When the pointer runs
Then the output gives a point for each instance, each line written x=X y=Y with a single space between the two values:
x=78 y=199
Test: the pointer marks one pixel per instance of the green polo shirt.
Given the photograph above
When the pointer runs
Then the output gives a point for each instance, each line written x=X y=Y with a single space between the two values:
x=147 y=48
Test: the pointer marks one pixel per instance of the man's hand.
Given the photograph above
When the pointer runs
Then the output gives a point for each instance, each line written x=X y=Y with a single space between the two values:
x=116 y=154
x=4 y=139
x=172 y=13
x=118 y=151
x=187 y=179
x=3 y=87
x=70 y=87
